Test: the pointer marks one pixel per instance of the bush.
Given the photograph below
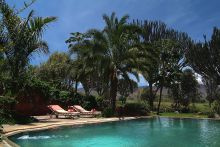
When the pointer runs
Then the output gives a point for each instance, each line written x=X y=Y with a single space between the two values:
x=211 y=114
x=184 y=109
x=64 y=94
x=64 y=97
x=193 y=109
x=145 y=94
x=6 y=111
x=102 y=102
x=54 y=94
x=35 y=85
x=123 y=99
x=76 y=99
x=166 y=108
x=8 y=115
x=135 y=109
x=89 y=102
x=108 y=112
x=202 y=101
x=216 y=107
x=23 y=119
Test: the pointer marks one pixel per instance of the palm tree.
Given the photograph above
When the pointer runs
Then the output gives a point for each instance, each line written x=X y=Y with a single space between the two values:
x=21 y=38
x=113 y=49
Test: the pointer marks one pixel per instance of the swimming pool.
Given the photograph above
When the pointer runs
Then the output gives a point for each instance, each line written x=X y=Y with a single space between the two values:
x=155 y=132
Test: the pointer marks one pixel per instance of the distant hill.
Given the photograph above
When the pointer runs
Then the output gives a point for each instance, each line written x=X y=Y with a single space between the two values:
x=201 y=89
x=137 y=91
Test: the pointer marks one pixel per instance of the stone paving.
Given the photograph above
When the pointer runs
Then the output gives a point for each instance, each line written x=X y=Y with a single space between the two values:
x=45 y=122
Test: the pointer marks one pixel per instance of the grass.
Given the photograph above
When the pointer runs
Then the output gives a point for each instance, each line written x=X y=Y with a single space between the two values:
x=198 y=110
x=183 y=115
x=200 y=107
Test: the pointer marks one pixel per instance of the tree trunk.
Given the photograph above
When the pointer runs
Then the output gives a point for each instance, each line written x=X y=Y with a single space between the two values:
x=210 y=104
x=76 y=87
x=113 y=90
x=85 y=87
x=158 y=108
x=151 y=96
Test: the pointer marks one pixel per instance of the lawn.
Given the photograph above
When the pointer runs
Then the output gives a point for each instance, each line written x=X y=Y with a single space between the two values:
x=183 y=115
x=198 y=107
x=198 y=110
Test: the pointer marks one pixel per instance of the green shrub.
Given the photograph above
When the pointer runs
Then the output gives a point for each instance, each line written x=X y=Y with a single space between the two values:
x=202 y=101
x=135 y=109
x=76 y=99
x=89 y=102
x=6 y=111
x=211 y=114
x=193 y=109
x=123 y=99
x=23 y=119
x=216 y=106
x=108 y=112
x=63 y=97
x=185 y=109
x=102 y=102
x=145 y=94
x=35 y=85
x=54 y=94
x=64 y=94
x=166 y=108
x=203 y=108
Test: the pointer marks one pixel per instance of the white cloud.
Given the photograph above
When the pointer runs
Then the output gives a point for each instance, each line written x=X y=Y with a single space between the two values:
x=198 y=78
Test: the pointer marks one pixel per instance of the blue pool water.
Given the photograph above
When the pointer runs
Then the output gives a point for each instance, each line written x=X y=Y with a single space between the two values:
x=155 y=132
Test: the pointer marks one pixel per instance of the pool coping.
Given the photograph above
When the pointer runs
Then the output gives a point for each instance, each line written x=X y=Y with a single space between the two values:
x=8 y=143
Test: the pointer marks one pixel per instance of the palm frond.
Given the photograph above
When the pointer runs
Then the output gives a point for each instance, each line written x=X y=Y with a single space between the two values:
x=123 y=20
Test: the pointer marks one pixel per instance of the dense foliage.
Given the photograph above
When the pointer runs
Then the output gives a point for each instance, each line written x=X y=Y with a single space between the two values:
x=184 y=91
x=112 y=50
x=203 y=57
x=19 y=39
x=125 y=89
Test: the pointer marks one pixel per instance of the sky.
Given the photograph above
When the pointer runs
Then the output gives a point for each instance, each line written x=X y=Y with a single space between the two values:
x=195 y=17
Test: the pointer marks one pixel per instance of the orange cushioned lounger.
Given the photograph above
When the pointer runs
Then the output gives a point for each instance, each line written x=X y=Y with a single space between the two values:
x=84 y=112
x=58 y=111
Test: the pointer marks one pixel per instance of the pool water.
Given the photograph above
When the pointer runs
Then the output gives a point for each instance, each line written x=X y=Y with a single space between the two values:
x=155 y=132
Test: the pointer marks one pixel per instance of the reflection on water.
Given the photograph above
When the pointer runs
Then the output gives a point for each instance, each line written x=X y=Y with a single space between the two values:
x=143 y=132
x=26 y=137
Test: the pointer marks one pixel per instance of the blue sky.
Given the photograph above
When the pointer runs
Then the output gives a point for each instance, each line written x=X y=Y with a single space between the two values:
x=196 y=17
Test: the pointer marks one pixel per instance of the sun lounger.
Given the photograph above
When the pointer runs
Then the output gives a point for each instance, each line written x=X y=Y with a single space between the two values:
x=58 y=111
x=84 y=112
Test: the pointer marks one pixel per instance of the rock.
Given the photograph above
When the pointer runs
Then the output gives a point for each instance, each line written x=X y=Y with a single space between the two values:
x=177 y=112
x=216 y=115
x=199 y=113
